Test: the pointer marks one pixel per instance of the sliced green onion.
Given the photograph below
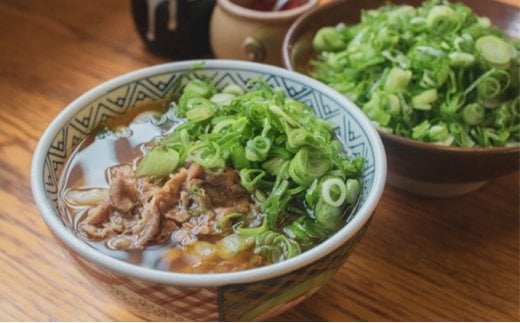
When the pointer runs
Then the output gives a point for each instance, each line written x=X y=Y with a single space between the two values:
x=397 y=79
x=473 y=114
x=353 y=188
x=252 y=232
x=250 y=178
x=281 y=152
x=222 y=124
x=305 y=231
x=240 y=126
x=238 y=157
x=492 y=86
x=484 y=22
x=424 y=100
x=158 y=163
x=297 y=138
x=393 y=104
x=231 y=245
x=222 y=99
x=276 y=247
x=494 y=50
x=278 y=111
x=199 y=109
x=198 y=88
x=256 y=113
x=442 y=19
x=327 y=39
x=502 y=116
x=199 y=114
x=327 y=216
x=276 y=202
x=207 y=154
x=463 y=43
x=438 y=132
x=274 y=165
x=297 y=190
x=307 y=165
x=226 y=222
x=233 y=89
x=312 y=195
x=420 y=131
x=461 y=59
x=333 y=191
x=375 y=110
x=296 y=107
x=257 y=148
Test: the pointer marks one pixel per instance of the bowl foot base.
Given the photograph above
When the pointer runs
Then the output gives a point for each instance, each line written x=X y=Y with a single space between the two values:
x=431 y=189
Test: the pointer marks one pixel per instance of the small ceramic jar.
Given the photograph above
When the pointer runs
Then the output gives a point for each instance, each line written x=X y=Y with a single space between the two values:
x=237 y=32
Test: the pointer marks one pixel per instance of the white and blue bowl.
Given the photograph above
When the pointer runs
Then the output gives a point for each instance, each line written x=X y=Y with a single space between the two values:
x=253 y=294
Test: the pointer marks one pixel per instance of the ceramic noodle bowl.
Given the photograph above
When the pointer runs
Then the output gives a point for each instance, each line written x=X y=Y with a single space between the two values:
x=243 y=295
x=241 y=33
x=174 y=28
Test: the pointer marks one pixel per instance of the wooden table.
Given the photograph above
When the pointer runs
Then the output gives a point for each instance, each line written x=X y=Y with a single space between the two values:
x=421 y=259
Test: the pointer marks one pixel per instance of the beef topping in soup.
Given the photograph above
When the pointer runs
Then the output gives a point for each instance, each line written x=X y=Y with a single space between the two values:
x=186 y=205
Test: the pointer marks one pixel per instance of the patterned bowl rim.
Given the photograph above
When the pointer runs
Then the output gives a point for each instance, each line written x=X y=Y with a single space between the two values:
x=53 y=221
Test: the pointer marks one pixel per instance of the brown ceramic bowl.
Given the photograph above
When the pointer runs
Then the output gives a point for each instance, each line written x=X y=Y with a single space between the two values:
x=417 y=167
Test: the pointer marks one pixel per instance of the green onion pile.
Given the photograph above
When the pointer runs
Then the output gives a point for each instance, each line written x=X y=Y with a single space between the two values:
x=287 y=157
x=437 y=73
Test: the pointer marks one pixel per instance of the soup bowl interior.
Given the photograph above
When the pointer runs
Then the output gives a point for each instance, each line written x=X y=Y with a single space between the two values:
x=417 y=167
x=245 y=295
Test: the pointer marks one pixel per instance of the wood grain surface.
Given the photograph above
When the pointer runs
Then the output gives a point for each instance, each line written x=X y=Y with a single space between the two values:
x=421 y=259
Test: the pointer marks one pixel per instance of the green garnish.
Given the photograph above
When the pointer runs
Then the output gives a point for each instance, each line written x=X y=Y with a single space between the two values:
x=284 y=153
x=158 y=163
x=437 y=73
x=494 y=50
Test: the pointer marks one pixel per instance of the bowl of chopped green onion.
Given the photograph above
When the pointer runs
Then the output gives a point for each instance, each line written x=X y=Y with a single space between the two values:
x=439 y=80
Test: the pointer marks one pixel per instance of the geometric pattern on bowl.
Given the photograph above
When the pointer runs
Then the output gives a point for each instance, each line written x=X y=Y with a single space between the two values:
x=260 y=300
x=152 y=300
x=238 y=302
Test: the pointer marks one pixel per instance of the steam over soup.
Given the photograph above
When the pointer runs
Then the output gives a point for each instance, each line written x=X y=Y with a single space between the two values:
x=221 y=181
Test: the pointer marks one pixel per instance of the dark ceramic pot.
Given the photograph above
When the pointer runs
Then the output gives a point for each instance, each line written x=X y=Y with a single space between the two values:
x=174 y=28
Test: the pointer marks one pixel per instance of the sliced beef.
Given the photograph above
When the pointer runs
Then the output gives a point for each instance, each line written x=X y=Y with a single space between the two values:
x=224 y=188
x=178 y=215
x=92 y=224
x=123 y=188
x=181 y=207
x=98 y=214
x=168 y=195
x=202 y=224
x=142 y=231
x=167 y=227
x=195 y=171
